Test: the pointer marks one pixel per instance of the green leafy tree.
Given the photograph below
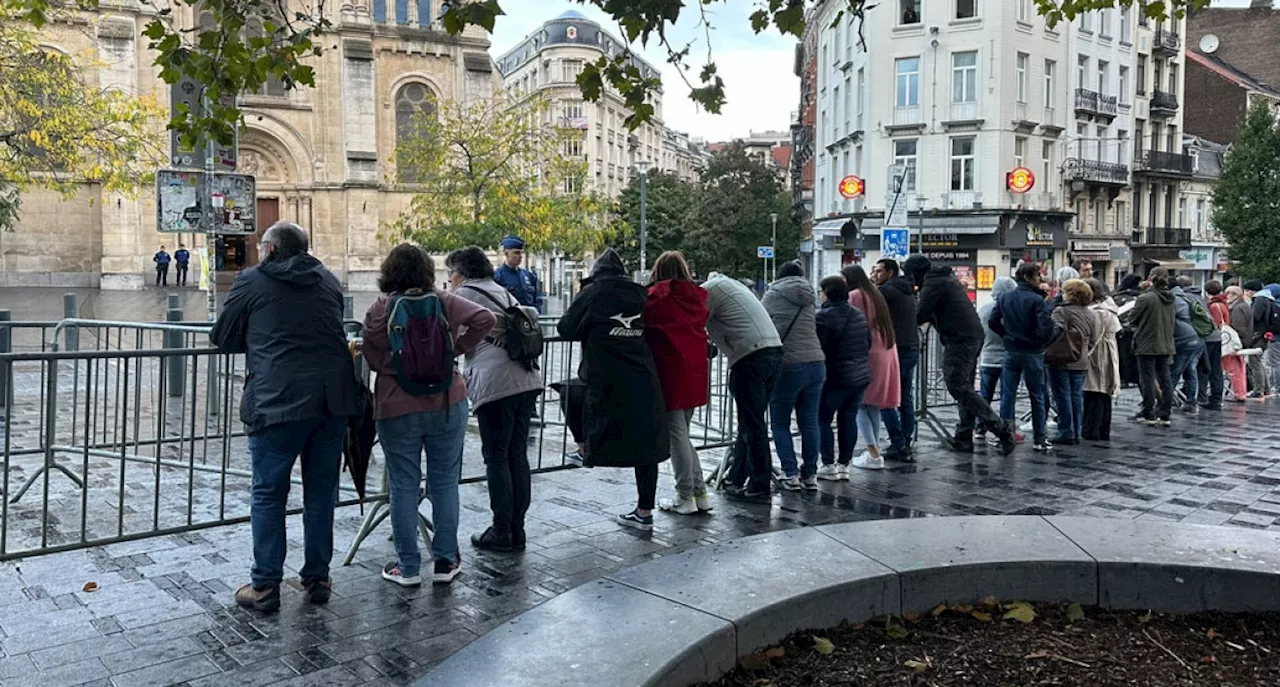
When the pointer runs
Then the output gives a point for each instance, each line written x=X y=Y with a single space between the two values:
x=482 y=170
x=57 y=132
x=249 y=42
x=730 y=215
x=1246 y=198
x=668 y=199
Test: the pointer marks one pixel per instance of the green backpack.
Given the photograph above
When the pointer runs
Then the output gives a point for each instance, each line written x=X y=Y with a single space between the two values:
x=1200 y=318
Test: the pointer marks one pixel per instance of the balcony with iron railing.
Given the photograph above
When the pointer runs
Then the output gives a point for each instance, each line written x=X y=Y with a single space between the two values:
x=1099 y=172
x=1163 y=237
x=1161 y=163
x=1163 y=104
x=1096 y=104
x=1166 y=43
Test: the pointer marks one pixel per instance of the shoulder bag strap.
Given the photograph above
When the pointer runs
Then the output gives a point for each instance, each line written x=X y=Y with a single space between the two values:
x=488 y=295
x=793 y=323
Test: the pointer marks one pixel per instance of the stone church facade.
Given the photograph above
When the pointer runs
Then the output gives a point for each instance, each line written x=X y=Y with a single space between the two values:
x=323 y=157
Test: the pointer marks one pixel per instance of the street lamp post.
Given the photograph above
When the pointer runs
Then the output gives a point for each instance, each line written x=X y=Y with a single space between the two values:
x=642 y=168
x=773 y=217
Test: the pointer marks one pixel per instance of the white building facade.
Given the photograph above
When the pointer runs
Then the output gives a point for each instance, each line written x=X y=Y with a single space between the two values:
x=962 y=92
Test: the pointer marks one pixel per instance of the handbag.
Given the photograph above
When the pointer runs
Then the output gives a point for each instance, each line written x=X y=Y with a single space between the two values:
x=1068 y=348
x=1231 y=343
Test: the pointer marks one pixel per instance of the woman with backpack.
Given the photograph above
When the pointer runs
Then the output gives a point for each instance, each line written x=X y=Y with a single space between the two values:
x=411 y=335
x=1077 y=332
x=1102 y=379
x=885 y=389
x=791 y=306
x=625 y=418
x=675 y=327
x=502 y=389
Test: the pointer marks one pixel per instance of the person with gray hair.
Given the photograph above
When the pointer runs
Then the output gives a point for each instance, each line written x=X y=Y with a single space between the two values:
x=285 y=316
x=991 y=360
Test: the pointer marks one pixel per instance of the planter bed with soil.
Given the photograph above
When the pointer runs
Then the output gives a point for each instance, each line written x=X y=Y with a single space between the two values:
x=1020 y=645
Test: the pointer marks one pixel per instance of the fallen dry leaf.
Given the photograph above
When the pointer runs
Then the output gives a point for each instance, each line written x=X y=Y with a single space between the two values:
x=1209 y=659
x=1021 y=612
x=990 y=602
x=963 y=608
x=982 y=617
x=775 y=652
x=90 y=587
x=1075 y=613
x=912 y=617
x=942 y=608
x=916 y=665
x=823 y=645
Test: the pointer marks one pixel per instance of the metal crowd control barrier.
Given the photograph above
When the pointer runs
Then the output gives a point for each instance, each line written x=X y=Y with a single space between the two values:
x=137 y=437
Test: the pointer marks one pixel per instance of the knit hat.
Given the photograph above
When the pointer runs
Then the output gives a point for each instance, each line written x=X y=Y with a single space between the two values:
x=1252 y=285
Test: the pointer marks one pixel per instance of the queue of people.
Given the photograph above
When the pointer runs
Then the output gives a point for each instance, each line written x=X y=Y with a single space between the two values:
x=840 y=360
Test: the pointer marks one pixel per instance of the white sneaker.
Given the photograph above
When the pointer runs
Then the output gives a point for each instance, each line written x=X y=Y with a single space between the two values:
x=867 y=462
x=829 y=472
x=703 y=502
x=809 y=483
x=844 y=471
x=679 y=505
x=790 y=483
x=992 y=440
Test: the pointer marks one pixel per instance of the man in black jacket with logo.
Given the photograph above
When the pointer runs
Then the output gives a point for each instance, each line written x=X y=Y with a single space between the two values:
x=900 y=294
x=944 y=302
x=1022 y=318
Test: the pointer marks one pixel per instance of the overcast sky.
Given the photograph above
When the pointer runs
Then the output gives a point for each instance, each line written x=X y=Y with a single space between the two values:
x=762 y=92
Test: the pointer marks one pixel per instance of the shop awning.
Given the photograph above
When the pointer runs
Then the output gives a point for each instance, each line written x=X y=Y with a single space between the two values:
x=829 y=226
x=1172 y=264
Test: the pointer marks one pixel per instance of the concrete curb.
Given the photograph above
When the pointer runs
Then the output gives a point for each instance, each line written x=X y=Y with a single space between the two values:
x=687 y=618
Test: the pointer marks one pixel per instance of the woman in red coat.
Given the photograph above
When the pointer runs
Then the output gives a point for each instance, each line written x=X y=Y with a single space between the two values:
x=675 y=327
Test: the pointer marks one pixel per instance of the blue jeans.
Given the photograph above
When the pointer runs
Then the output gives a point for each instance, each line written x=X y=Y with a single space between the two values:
x=989 y=381
x=440 y=433
x=1184 y=367
x=799 y=387
x=900 y=422
x=1068 y=396
x=869 y=425
x=273 y=450
x=1017 y=365
x=840 y=404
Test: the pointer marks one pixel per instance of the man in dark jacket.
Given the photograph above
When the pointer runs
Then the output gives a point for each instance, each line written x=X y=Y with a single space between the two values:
x=161 y=259
x=183 y=258
x=1022 y=318
x=285 y=315
x=624 y=416
x=1154 y=314
x=900 y=295
x=944 y=302
x=522 y=283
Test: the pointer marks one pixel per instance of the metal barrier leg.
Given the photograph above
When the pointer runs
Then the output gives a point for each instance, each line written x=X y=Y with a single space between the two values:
x=50 y=450
x=177 y=364
x=379 y=511
x=6 y=345
x=69 y=312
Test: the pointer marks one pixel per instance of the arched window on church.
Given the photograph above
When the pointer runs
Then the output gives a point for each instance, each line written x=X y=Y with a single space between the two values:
x=413 y=102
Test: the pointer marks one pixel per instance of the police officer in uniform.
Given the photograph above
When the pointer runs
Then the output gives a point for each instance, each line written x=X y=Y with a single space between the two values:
x=522 y=283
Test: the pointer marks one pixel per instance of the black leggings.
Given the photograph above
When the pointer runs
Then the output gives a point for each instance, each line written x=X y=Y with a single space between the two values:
x=647 y=485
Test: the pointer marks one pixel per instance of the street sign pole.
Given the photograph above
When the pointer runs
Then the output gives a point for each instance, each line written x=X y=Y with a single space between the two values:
x=210 y=238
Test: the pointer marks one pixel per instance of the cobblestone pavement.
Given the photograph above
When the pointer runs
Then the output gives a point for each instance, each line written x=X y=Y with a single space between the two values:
x=162 y=611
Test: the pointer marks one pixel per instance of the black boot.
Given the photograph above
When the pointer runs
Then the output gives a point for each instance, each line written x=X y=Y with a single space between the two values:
x=492 y=540
x=959 y=443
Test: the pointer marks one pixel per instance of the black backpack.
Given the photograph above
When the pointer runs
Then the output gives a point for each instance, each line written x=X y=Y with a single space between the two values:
x=524 y=337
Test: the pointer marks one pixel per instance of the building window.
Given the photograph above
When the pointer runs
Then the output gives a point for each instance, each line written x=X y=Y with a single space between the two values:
x=835 y=112
x=1099 y=206
x=1123 y=96
x=414 y=103
x=1050 y=67
x=908 y=81
x=1138 y=126
x=1082 y=71
x=1020 y=76
x=1143 y=20
x=1141 y=82
x=848 y=103
x=1024 y=11
x=966 y=9
x=1103 y=149
x=1155 y=136
x=1199 y=217
x=909 y=11
x=862 y=86
x=1019 y=151
x=1157 y=75
x=1121 y=210
x=1104 y=23
x=1046 y=164
x=904 y=153
x=573 y=147
x=1182 y=212
x=1173 y=78
x=1086 y=22
x=1102 y=77
x=1126 y=23
x=570 y=69
x=962 y=163
x=1174 y=143
x=964 y=77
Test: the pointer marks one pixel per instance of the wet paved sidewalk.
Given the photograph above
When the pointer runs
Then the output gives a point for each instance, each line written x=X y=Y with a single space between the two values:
x=162 y=611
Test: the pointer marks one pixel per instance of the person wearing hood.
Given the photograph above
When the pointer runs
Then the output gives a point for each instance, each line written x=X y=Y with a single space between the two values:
x=944 y=303
x=1261 y=308
x=1188 y=346
x=740 y=327
x=1154 y=317
x=285 y=315
x=1102 y=379
x=791 y=306
x=411 y=423
x=1022 y=318
x=846 y=342
x=1210 y=378
x=625 y=416
x=991 y=360
x=503 y=394
x=900 y=295
x=675 y=326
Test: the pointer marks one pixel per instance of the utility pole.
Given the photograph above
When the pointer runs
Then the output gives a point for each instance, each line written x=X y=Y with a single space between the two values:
x=773 y=216
x=642 y=168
